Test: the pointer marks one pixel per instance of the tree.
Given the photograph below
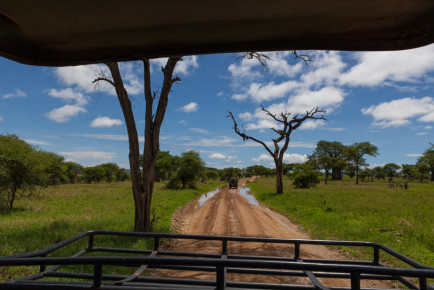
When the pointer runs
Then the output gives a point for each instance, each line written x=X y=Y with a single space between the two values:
x=110 y=171
x=94 y=174
x=286 y=126
x=355 y=153
x=428 y=158
x=72 y=170
x=378 y=172
x=305 y=176
x=190 y=168
x=422 y=169
x=143 y=182
x=21 y=170
x=122 y=175
x=409 y=172
x=166 y=164
x=391 y=170
x=330 y=155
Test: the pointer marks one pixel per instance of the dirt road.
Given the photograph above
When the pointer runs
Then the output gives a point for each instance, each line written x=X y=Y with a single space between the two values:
x=229 y=212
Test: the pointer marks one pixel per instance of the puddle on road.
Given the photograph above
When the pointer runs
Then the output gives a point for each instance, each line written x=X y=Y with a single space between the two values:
x=205 y=197
x=245 y=191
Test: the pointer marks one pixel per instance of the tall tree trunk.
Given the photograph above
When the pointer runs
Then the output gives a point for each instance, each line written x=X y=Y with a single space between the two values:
x=279 y=177
x=432 y=175
x=357 y=173
x=326 y=176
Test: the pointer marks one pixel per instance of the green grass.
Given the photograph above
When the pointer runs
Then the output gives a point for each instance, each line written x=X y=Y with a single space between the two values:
x=66 y=210
x=344 y=211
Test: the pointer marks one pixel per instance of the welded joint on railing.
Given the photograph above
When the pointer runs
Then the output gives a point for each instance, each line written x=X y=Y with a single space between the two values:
x=97 y=275
x=355 y=280
x=376 y=260
x=296 y=251
x=156 y=244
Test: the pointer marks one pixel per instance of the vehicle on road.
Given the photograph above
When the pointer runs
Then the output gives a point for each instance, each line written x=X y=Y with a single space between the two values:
x=233 y=182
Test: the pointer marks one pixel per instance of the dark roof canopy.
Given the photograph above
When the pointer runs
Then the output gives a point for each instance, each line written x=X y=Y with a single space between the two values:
x=70 y=32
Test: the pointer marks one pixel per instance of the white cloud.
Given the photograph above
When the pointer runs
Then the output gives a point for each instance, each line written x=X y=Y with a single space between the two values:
x=374 y=68
x=88 y=158
x=312 y=124
x=260 y=93
x=221 y=94
x=17 y=94
x=328 y=98
x=326 y=67
x=65 y=113
x=231 y=158
x=287 y=158
x=105 y=122
x=69 y=95
x=200 y=131
x=183 y=67
x=191 y=107
x=428 y=127
x=182 y=122
x=413 y=155
x=245 y=116
x=398 y=112
x=279 y=64
x=111 y=137
x=239 y=97
x=82 y=77
x=421 y=133
x=217 y=156
x=220 y=142
x=37 y=142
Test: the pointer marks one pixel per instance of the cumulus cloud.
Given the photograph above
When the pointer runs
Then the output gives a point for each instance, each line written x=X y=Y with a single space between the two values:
x=88 y=158
x=105 y=122
x=182 y=122
x=240 y=97
x=217 y=156
x=82 y=77
x=374 y=68
x=260 y=92
x=69 y=95
x=328 y=98
x=397 y=113
x=324 y=70
x=183 y=67
x=65 y=113
x=17 y=94
x=191 y=107
x=312 y=124
x=245 y=116
x=287 y=158
x=421 y=133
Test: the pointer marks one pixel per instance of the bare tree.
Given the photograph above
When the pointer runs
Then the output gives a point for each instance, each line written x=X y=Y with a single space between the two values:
x=288 y=125
x=143 y=183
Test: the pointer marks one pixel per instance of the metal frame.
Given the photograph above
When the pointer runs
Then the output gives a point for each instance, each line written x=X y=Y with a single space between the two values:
x=220 y=263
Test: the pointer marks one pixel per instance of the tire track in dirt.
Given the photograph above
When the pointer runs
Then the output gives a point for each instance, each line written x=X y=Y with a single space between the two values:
x=229 y=213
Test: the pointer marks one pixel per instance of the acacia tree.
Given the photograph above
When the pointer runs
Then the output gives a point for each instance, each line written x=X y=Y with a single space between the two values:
x=355 y=153
x=288 y=125
x=428 y=158
x=143 y=182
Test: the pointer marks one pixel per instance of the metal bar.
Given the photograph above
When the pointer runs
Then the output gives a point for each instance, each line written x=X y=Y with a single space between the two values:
x=90 y=242
x=137 y=273
x=315 y=281
x=422 y=283
x=224 y=247
x=376 y=260
x=296 y=251
x=355 y=280
x=97 y=276
x=156 y=243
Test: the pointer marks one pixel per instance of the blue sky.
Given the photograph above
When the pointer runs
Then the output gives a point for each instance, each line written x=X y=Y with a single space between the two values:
x=385 y=98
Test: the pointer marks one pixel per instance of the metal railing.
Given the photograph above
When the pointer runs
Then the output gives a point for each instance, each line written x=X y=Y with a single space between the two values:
x=221 y=263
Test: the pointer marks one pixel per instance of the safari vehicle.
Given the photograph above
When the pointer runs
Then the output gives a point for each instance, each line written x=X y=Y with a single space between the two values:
x=64 y=32
x=233 y=182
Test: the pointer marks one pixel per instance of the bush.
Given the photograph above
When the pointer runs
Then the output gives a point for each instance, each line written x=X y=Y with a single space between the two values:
x=305 y=176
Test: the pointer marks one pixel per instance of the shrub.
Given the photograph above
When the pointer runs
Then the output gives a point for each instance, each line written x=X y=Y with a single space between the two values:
x=305 y=176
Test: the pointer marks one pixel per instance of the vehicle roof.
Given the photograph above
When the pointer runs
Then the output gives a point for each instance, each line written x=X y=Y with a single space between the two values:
x=65 y=32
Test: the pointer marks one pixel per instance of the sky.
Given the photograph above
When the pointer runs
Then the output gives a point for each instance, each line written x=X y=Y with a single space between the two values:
x=385 y=98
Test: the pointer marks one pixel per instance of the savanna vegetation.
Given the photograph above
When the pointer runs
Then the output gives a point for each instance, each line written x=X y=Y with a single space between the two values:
x=371 y=211
x=60 y=212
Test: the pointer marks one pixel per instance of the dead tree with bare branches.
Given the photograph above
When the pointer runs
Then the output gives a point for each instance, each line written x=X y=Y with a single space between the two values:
x=286 y=126
x=143 y=182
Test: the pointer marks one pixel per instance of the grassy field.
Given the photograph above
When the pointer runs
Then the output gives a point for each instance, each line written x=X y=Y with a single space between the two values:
x=371 y=211
x=66 y=210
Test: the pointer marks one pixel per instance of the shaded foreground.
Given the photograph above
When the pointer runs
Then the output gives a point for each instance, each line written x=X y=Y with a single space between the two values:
x=229 y=213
